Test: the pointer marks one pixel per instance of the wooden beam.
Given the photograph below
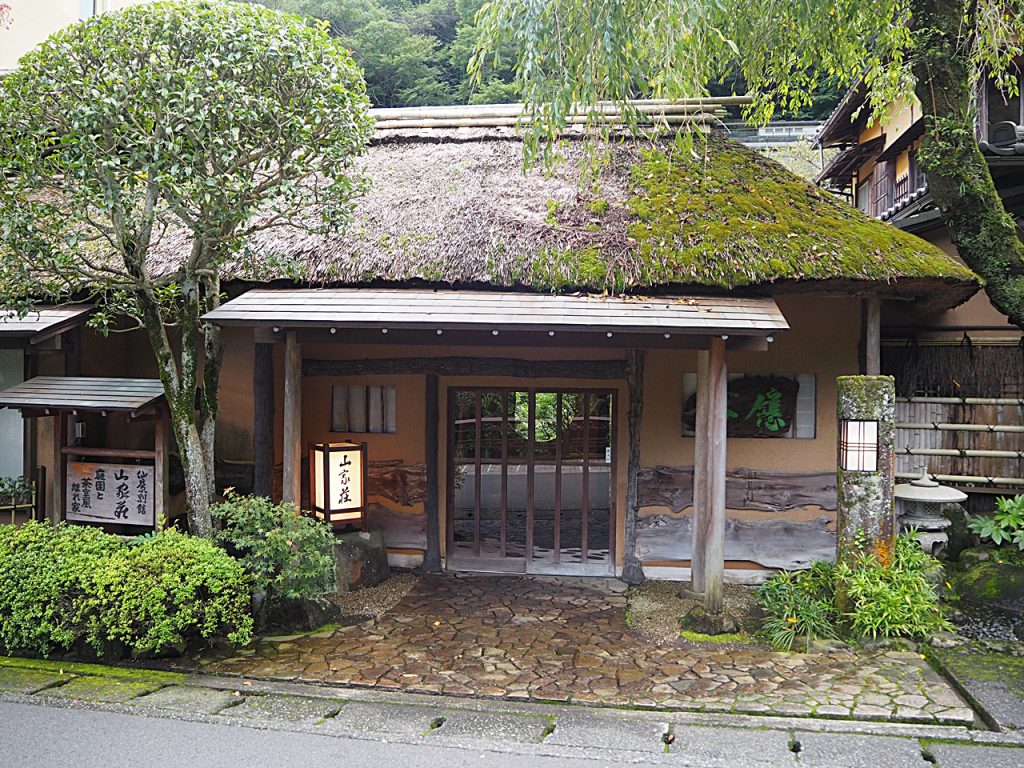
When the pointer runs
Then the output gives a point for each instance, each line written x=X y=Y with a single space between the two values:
x=700 y=475
x=161 y=430
x=56 y=506
x=263 y=420
x=872 y=336
x=713 y=521
x=469 y=366
x=432 y=434
x=632 y=572
x=292 y=485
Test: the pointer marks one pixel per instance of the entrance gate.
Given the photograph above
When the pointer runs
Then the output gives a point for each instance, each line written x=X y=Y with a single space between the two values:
x=531 y=480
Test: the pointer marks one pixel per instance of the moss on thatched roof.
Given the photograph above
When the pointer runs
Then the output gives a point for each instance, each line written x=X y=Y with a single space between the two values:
x=453 y=207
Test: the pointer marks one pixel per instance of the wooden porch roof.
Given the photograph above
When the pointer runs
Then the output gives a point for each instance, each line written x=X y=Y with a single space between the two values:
x=79 y=393
x=497 y=311
x=42 y=322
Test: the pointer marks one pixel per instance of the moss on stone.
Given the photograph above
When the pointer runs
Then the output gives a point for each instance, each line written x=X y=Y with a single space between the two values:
x=724 y=639
x=77 y=668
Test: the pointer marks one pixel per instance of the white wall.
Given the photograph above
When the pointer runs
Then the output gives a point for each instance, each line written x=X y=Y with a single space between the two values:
x=35 y=20
x=12 y=428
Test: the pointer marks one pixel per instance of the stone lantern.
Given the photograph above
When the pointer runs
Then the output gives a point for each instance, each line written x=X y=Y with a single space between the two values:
x=921 y=503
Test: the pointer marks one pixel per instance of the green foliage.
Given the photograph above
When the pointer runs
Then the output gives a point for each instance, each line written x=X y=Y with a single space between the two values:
x=63 y=584
x=46 y=583
x=1005 y=526
x=16 y=491
x=155 y=596
x=895 y=601
x=288 y=555
x=413 y=52
x=194 y=123
x=798 y=604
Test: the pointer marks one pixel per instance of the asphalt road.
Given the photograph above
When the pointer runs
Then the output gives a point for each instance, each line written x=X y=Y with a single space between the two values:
x=33 y=736
x=37 y=735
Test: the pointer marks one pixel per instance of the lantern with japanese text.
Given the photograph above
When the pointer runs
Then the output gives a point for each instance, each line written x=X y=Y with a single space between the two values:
x=337 y=482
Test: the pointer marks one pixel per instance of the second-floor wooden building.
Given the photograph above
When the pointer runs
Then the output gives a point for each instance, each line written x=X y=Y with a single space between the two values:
x=960 y=372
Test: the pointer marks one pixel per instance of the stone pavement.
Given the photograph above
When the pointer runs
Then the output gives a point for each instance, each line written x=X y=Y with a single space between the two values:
x=566 y=640
x=495 y=728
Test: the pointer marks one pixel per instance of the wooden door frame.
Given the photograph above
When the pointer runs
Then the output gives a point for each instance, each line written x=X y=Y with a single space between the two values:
x=581 y=568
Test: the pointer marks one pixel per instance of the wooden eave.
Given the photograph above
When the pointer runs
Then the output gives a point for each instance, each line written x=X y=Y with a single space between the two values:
x=460 y=311
x=43 y=323
x=44 y=395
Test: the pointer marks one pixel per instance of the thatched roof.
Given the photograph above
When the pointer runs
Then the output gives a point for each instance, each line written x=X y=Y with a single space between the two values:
x=452 y=207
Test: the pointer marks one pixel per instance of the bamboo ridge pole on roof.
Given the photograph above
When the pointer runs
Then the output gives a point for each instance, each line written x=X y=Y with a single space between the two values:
x=676 y=106
x=512 y=122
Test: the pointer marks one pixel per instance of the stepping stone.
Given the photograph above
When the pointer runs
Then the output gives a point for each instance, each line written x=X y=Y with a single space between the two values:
x=292 y=709
x=103 y=689
x=840 y=750
x=28 y=681
x=463 y=725
x=712 y=747
x=189 y=699
x=604 y=732
x=395 y=720
x=970 y=756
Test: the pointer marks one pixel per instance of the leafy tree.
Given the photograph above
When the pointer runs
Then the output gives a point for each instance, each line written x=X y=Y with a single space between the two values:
x=395 y=62
x=419 y=56
x=573 y=51
x=142 y=147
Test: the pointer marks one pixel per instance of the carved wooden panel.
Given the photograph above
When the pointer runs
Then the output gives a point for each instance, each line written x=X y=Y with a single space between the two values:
x=771 y=543
x=672 y=487
x=404 y=485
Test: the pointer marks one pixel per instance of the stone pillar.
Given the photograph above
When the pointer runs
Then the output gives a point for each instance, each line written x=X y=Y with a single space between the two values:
x=866 y=407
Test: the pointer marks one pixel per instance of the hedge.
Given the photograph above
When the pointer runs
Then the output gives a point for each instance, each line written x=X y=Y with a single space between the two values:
x=63 y=586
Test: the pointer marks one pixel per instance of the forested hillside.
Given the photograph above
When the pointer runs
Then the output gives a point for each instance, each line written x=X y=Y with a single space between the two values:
x=414 y=52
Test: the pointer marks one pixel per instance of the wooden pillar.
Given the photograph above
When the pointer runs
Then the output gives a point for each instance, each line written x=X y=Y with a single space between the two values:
x=432 y=412
x=263 y=420
x=700 y=476
x=713 y=519
x=292 y=485
x=872 y=336
x=56 y=505
x=161 y=430
x=632 y=571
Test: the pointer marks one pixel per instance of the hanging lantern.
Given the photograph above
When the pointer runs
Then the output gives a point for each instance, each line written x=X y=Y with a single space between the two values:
x=338 y=482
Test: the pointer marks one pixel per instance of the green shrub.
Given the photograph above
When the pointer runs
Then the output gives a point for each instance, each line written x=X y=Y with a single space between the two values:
x=45 y=580
x=898 y=600
x=798 y=604
x=1006 y=525
x=895 y=601
x=288 y=556
x=66 y=583
x=180 y=587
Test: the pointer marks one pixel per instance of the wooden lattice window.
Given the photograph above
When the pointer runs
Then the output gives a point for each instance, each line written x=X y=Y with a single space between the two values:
x=364 y=408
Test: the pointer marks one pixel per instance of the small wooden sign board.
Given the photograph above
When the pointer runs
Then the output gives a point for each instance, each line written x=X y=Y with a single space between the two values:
x=110 y=493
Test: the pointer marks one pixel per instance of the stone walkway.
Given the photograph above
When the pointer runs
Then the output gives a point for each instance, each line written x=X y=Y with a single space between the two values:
x=551 y=639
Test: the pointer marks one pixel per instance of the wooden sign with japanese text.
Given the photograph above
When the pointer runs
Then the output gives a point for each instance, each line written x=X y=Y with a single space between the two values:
x=110 y=493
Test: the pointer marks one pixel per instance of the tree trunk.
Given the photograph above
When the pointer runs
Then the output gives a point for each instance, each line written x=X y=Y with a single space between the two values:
x=958 y=175
x=208 y=405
